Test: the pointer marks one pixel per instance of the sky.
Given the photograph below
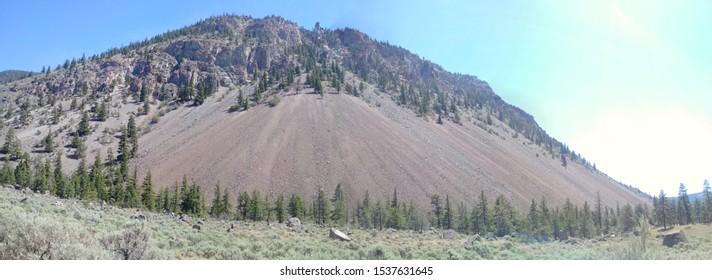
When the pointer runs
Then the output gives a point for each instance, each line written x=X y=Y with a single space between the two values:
x=628 y=84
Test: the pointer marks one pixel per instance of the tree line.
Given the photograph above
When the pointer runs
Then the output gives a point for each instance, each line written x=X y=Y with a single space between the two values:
x=681 y=211
x=108 y=180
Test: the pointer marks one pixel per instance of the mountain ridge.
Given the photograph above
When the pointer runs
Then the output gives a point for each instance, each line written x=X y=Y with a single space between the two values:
x=215 y=60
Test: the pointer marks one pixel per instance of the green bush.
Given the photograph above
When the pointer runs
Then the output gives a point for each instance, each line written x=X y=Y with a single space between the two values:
x=274 y=101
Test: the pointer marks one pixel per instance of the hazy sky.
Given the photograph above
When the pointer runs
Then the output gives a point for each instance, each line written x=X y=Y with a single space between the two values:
x=628 y=84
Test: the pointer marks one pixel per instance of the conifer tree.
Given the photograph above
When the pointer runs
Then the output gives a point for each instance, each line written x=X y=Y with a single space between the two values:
x=124 y=155
x=322 y=208
x=598 y=215
x=586 y=220
x=378 y=216
x=502 y=216
x=82 y=184
x=296 y=207
x=42 y=184
x=533 y=217
x=437 y=210
x=148 y=196
x=683 y=213
x=280 y=209
x=628 y=220
x=8 y=174
x=84 y=127
x=12 y=147
x=485 y=223
x=97 y=178
x=131 y=195
x=243 y=206
x=48 y=142
x=257 y=207
x=216 y=207
x=133 y=136
x=463 y=219
x=447 y=213
x=364 y=214
x=227 y=206
x=707 y=196
x=340 y=214
x=23 y=172
x=59 y=181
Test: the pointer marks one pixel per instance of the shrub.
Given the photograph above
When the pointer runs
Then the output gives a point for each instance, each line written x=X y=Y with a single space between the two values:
x=274 y=101
x=130 y=244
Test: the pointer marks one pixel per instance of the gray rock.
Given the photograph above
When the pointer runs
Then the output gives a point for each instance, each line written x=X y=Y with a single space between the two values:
x=673 y=238
x=449 y=234
x=562 y=235
x=294 y=222
x=196 y=227
x=338 y=235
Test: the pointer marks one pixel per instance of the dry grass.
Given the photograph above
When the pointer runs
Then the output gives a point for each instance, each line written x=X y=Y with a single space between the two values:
x=45 y=227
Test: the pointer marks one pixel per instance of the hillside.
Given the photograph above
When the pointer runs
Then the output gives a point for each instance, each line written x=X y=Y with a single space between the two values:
x=351 y=110
x=11 y=75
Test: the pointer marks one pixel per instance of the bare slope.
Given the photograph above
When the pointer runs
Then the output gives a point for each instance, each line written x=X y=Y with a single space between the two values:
x=308 y=142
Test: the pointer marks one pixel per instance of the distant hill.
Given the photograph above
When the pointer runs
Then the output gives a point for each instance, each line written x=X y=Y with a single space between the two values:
x=12 y=75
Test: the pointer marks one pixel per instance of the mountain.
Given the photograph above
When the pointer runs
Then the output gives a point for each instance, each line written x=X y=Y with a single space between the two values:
x=12 y=75
x=265 y=104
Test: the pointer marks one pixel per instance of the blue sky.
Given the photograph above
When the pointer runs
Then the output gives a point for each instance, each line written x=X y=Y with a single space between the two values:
x=628 y=84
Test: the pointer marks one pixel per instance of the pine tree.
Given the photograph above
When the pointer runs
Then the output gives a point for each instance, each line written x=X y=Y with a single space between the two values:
x=447 y=213
x=243 y=206
x=563 y=160
x=8 y=174
x=131 y=195
x=280 y=209
x=82 y=183
x=59 y=181
x=227 y=206
x=662 y=215
x=340 y=214
x=124 y=155
x=684 y=214
x=502 y=216
x=42 y=180
x=296 y=207
x=148 y=196
x=322 y=211
x=84 y=127
x=12 y=147
x=364 y=212
x=23 y=172
x=133 y=136
x=628 y=220
x=533 y=217
x=586 y=219
x=216 y=206
x=437 y=210
x=97 y=178
x=484 y=214
x=378 y=216
x=598 y=215
x=257 y=209
x=707 y=196
x=463 y=219
x=544 y=219
x=48 y=142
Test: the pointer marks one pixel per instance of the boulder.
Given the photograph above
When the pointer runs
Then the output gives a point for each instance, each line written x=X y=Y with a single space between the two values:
x=449 y=234
x=673 y=238
x=294 y=222
x=196 y=227
x=338 y=235
x=562 y=235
